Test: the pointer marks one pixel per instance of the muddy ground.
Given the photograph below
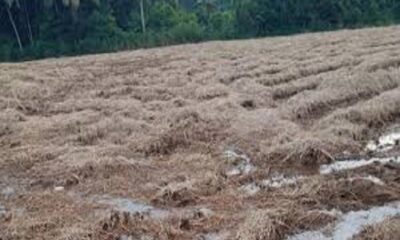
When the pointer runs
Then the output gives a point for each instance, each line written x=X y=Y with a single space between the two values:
x=261 y=139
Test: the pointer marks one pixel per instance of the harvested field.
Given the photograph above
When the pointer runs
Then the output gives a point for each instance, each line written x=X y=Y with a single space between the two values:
x=267 y=139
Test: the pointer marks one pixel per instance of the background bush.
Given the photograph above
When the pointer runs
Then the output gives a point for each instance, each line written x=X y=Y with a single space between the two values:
x=49 y=28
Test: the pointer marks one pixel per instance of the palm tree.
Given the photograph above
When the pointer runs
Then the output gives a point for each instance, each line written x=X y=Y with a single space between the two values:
x=9 y=5
x=209 y=5
x=28 y=23
x=142 y=18
x=72 y=4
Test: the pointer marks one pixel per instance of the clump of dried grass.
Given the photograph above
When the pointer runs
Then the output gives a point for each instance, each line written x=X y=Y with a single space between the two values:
x=209 y=92
x=260 y=131
x=28 y=97
x=387 y=63
x=341 y=92
x=136 y=226
x=289 y=89
x=175 y=194
x=309 y=152
x=356 y=124
x=138 y=102
x=185 y=130
x=149 y=94
x=74 y=233
x=343 y=130
x=113 y=130
x=91 y=135
x=278 y=223
x=387 y=230
x=60 y=221
x=302 y=72
x=11 y=115
x=343 y=194
x=376 y=112
x=262 y=225
x=5 y=129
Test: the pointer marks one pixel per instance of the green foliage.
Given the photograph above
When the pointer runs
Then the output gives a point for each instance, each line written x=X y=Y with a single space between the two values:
x=186 y=32
x=33 y=29
x=6 y=49
x=265 y=17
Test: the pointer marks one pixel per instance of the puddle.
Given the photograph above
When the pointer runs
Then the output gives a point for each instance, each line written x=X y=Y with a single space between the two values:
x=3 y=210
x=213 y=236
x=353 y=164
x=370 y=178
x=131 y=206
x=280 y=181
x=384 y=143
x=242 y=163
x=7 y=192
x=203 y=212
x=274 y=182
x=127 y=237
x=351 y=224
x=59 y=188
x=251 y=189
x=333 y=212
x=136 y=207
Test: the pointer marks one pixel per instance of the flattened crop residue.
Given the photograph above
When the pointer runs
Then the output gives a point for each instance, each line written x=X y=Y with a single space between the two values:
x=351 y=223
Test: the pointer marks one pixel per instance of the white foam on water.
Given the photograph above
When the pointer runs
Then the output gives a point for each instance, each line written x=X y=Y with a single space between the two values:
x=351 y=224
x=353 y=164
x=384 y=143
x=131 y=206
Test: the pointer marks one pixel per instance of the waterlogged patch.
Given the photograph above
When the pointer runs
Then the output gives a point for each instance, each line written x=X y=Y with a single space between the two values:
x=213 y=236
x=351 y=224
x=384 y=143
x=8 y=192
x=333 y=212
x=353 y=164
x=370 y=178
x=59 y=189
x=274 y=182
x=251 y=189
x=128 y=237
x=3 y=210
x=131 y=206
x=242 y=163
x=204 y=213
x=280 y=181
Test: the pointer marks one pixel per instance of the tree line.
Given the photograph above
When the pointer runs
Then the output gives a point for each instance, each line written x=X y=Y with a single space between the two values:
x=31 y=29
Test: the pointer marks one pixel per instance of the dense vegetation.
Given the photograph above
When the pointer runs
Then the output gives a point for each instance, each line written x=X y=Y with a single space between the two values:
x=40 y=28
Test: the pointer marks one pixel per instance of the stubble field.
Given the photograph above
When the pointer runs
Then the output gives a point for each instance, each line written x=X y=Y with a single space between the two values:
x=278 y=138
